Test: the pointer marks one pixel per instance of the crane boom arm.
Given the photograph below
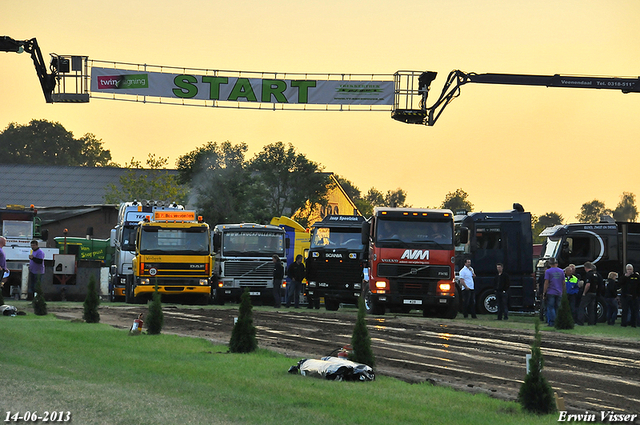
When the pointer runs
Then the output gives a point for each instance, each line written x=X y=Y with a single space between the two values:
x=47 y=80
x=405 y=89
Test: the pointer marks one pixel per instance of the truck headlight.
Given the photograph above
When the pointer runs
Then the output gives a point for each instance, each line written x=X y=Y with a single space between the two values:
x=144 y=281
x=312 y=284
x=204 y=281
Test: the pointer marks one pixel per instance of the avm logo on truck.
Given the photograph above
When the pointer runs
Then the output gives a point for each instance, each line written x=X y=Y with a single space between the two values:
x=415 y=254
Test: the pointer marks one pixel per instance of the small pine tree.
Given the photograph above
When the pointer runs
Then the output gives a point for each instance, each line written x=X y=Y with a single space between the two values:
x=155 y=317
x=360 y=340
x=39 y=305
x=243 y=336
x=564 y=319
x=536 y=395
x=91 y=303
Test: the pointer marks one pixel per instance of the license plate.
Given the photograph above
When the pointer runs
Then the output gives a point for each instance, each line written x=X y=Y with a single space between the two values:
x=254 y=294
x=414 y=302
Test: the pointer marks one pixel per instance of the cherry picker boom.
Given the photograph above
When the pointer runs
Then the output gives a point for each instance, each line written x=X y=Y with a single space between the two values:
x=67 y=81
x=411 y=89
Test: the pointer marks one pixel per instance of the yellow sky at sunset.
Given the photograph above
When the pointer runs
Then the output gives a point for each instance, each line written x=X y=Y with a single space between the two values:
x=550 y=149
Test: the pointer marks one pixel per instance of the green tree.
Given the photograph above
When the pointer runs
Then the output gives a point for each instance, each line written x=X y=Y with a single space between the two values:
x=590 y=212
x=564 y=319
x=91 y=303
x=155 y=317
x=626 y=209
x=225 y=189
x=360 y=339
x=540 y=223
x=350 y=189
x=457 y=200
x=536 y=395
x=48 y=143
x=39 y=304
x=396 y=198
x=243 y=336
x=153 y=182
x=286 y=180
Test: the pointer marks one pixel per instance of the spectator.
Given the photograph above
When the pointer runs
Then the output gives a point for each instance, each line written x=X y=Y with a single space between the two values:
x=630 y=289
x=278 y=275
x=573 y=289
x=296 y=272
x=36 y=268
x=501 y=283
x=592 y=286
x=611 y=298
x=552 y=292
x=468 y=290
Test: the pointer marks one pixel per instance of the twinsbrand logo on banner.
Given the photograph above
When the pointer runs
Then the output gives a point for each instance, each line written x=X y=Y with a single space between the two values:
x=120 y=82
x=237 y=89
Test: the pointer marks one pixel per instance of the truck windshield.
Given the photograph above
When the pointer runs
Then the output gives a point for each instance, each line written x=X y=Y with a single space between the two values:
x=129 y=238
x=551 y=248
x=252 y=244
x=189 y=241
x=404 y=233
x=325 y=237
x=17 y=229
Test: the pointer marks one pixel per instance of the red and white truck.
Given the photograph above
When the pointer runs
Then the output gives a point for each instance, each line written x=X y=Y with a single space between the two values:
x=410 y=261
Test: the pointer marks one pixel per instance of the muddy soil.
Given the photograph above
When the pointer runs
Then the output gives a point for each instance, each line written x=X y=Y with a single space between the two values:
x=591 y=374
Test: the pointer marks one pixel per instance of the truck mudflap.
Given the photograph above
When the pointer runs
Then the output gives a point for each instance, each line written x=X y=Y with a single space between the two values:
x=334 y=369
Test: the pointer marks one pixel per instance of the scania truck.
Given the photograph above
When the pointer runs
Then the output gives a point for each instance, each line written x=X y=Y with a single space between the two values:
x=243 y=259
x=410 y=259
x=336 y=260
x=173 y=250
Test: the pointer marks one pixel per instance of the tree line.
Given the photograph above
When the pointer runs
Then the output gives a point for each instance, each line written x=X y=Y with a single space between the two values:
x=226 y=186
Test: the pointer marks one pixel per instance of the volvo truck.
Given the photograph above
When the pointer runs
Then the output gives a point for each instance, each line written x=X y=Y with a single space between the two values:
x=410 y=261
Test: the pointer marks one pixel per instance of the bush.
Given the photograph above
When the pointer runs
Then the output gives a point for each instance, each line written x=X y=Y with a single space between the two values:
x=564 y=319
x=536 y=395
x=91 y=303
x=155 y=318
x=360 y=340
x=243 y=336
x=39 y=305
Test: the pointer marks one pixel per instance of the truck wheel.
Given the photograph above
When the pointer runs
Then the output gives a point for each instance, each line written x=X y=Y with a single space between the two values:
x=601 y=310
x=487 y=303
x=331 y=305
x=217 y=298
x=372 y=305
x=450 y=311
x=127 y=293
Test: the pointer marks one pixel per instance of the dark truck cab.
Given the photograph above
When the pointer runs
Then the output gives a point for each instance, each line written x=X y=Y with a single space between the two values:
x=488 y=238
x=335 y=262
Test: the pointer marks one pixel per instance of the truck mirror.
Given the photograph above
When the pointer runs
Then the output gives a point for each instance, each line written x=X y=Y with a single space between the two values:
x=287 y=243
x=44 y=234
x=463 y=236
x=112 y=238
x=366 y=229
x=306 y=253
x=216 y=241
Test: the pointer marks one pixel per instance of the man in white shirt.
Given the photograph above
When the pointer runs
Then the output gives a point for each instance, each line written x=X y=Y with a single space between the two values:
x=468 y=290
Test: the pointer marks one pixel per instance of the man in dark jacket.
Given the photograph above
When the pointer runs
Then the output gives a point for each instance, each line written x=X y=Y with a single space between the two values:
x=629 y=292
x=501 y=283
x=592 y=286
x=296 y=273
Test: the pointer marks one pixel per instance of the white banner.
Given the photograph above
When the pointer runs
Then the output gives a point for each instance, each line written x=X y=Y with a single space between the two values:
x=238 y=89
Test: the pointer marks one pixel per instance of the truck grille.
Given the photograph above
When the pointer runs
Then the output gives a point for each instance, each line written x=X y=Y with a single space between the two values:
x=335 y=273
x=413 y=271
x=249 y=269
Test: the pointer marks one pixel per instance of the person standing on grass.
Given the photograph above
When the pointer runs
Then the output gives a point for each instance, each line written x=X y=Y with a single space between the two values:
x=592 y=286
x=611 y=298
x=296 y=272
x=278 y=275
x=501 y=283
x=573 y=289
x=552 y=292
x=629 y=291
x=468 y=290
x=36 y=268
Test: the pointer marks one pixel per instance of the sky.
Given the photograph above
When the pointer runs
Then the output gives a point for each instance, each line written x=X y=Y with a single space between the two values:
x=549 y=149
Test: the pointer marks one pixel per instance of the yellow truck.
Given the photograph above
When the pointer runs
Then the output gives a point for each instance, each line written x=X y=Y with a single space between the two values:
x=173 y=250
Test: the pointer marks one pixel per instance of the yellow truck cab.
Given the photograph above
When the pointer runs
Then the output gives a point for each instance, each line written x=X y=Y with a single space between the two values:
x=173 y=250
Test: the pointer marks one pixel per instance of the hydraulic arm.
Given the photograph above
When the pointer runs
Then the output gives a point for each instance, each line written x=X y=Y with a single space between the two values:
x=412 y=88
x=47 y=80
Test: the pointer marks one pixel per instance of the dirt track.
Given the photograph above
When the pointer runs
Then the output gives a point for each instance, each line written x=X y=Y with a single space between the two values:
x=590 y=373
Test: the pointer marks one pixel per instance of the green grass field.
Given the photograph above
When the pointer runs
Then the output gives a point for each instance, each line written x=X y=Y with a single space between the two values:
x=104 y=376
